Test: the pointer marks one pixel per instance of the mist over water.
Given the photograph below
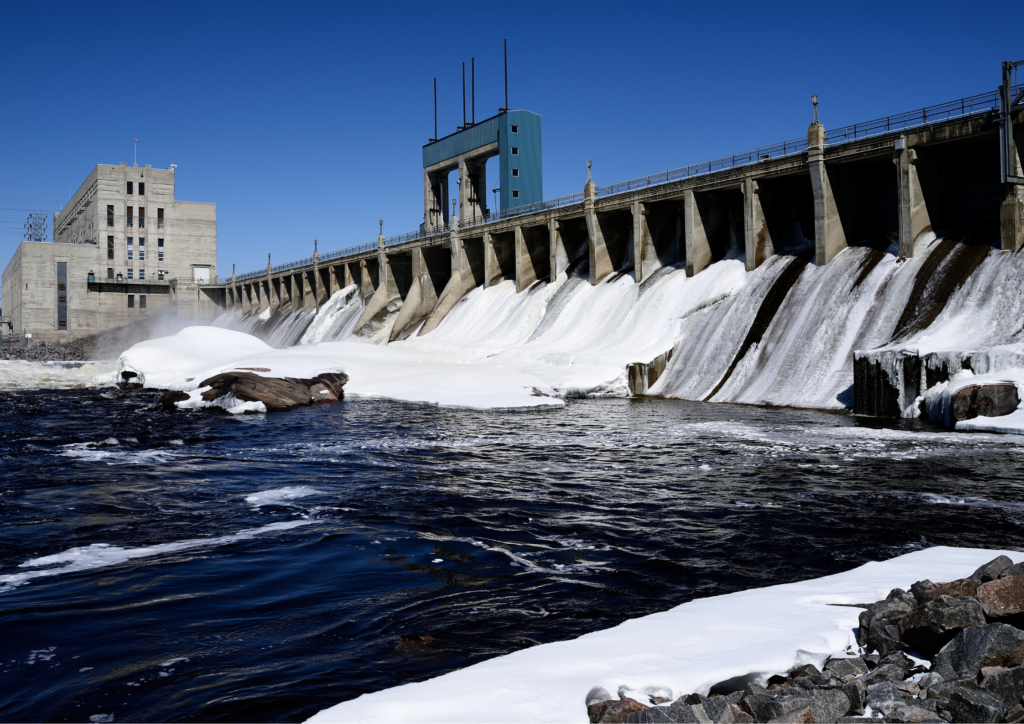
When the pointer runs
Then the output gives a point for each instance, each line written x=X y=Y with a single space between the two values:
x=203 y=567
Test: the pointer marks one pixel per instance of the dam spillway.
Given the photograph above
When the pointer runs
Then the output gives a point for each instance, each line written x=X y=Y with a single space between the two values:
x=851 y=240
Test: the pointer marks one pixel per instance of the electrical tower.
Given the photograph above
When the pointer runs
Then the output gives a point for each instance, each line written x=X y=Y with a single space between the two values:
x=35 y=227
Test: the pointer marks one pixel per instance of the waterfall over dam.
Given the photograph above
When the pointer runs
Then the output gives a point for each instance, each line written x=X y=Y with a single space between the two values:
x=854 y=269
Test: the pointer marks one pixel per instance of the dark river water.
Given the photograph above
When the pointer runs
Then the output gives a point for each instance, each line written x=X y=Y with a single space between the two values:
x=200 y=567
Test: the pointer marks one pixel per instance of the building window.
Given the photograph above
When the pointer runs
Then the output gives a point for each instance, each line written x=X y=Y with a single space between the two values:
x=62 y=295
x=110 y=247
x=131 y=221
x=131 y=248
x=142 y=275
x=142 y=192
x=515 y=173
x=131 y=273
x=131 y=297
x=160 y=275
x=515 y=129
x=142 y=217
x=110 y=214
x=515 y=193
x=130 y=191
x=159 y=218
x=515 y=150
x=142 y=301
x=142 y=249
x=110 y=272
x=159 y=249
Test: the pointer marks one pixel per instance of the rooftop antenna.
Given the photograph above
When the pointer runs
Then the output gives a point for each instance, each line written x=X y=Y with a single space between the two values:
x=506 y=75
x=435 y=110
x=136 y=146
x=472 y=77
x=814 y=102
x=589 y=180
x=463 y=95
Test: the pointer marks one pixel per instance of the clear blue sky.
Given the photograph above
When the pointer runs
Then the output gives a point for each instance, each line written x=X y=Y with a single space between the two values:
x=305 y=121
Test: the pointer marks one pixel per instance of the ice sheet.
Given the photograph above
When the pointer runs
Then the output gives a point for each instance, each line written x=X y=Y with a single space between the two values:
x=685 y=649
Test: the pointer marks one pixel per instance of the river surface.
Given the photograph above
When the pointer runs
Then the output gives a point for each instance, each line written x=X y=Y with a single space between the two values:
x=203 y=567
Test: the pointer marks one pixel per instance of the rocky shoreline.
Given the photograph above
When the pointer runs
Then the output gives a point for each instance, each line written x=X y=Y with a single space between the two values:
x=939 y=652
x=44 y=352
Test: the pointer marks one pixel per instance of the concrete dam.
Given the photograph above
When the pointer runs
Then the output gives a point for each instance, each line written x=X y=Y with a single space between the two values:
x=889 y=248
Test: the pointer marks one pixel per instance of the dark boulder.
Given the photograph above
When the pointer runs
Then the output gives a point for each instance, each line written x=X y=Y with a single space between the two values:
x=168 y=399
x=1002 y=597
x=276 y=393
x=928 y=628
x=1007 y=684
x=991 y=400
x=940 y=691
x=845 y=667
x=925 y=591
x=996 y=644
x=915 y=713
x=878 y=626
x=991 y=570
x=857 y=693
x=1017 y=569
x=974 y=705
x=613 y=711
x=885 y=672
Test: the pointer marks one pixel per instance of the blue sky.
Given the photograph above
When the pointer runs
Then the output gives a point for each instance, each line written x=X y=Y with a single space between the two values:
x=305 y=121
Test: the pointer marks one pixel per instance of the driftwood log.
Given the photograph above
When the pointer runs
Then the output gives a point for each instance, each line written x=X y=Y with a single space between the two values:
x=276 y=393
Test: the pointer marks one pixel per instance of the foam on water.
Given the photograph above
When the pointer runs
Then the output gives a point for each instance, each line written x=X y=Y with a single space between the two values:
x=103 y=555
x=24 y=375
x=280 y=496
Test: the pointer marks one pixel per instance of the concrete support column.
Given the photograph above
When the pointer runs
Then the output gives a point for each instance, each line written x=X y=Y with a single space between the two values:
x=492 y=271
x=472 y=180
x=526 y=274
x=347 y=271
x=600 y=261
x=285 y=297
x=1011 y=211
x=756 y=239
x=419 y=302
x=643 y=244
x=829 y=237
x=435 y=205
x=913 y=212
x=334 y=277
x=559 y=257
x=246 y=305
x=366 y=287
x=698 y=250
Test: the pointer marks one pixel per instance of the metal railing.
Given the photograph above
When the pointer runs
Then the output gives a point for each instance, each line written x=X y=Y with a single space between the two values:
x=965 y=107
x=982 y=103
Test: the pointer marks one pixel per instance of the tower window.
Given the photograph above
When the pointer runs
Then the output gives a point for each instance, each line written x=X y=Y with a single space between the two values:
x=515 y=193
x=62 y=295
x=110 y=247
x=142 y=249
x=515 y=129
x=142 y=192
x=159 y=249
x=131 y=273
x=110 y=214
x=142 y=301
x=142 y=276
x=515 y=150
x=131 y=217
x=131 y=248
x=131 y=298
x=110 y=272
x=515 y=172
x=130 y=190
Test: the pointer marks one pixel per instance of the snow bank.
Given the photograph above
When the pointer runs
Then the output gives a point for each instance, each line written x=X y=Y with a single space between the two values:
x=25 y=375
x=178 y=362
x=939 y=401
x=688 y=648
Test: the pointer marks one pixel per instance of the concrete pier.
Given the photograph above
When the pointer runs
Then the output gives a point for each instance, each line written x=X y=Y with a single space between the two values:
x=698 y=250
x=756 y=238
x=913 y=211
x=829 y=238
x=600 y=261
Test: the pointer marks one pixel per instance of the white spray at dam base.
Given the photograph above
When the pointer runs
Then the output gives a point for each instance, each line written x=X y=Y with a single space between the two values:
x=565 y=339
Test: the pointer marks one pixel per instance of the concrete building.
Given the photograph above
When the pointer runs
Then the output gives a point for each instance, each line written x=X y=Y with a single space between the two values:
x=123 y=248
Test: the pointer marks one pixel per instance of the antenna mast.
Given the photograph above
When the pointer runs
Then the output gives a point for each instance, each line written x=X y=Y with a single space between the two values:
x=472 y=76
x=506 y=75
x=463 y=95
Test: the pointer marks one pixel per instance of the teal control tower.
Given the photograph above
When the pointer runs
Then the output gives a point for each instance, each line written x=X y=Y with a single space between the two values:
x=513 y=136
